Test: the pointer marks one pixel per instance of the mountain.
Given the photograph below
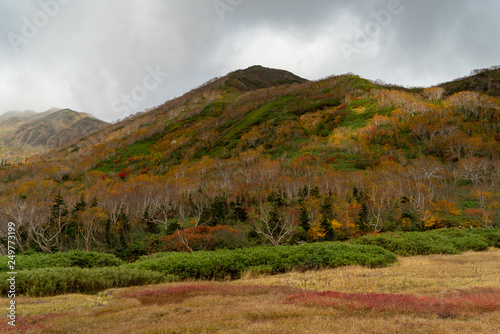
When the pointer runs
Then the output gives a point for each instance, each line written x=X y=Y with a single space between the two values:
x=28 y=132
x=202 y=101
x=275 y=157
x=258 y=107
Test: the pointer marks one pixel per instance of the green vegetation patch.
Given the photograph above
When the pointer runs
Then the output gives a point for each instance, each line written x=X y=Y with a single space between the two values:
x=213 y=109
x=361 y=111
x=445 y=241
x=138 y=149
x=224 y=264
x=257 y=116
x=73 y=258
x=58 y=281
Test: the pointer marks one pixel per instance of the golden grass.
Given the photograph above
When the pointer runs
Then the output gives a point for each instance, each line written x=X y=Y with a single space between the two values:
x=256 y=305
x=417 y=274
x=56 y=304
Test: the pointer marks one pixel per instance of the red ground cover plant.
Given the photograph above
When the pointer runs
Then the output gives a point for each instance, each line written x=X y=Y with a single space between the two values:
x=29 y=323
x=464 y=303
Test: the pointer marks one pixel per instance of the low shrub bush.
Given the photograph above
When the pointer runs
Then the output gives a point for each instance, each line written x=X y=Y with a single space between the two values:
x=56 y=281
x=73 y=258
x=230 y=264
x=444 y=241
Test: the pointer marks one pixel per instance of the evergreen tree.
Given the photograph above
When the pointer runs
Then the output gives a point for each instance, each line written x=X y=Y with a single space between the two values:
x=238 y=209
x=218 y=211
x=361 y=221
x=73 y=228
x=151 y=226
x=304 y=221
x=58 y=220
x=107 y=232
x=94 y=202
x=79 y=206
x=124 y=227
x=326 y=218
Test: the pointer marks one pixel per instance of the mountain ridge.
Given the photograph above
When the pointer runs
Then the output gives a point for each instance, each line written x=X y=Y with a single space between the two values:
x=33 y=133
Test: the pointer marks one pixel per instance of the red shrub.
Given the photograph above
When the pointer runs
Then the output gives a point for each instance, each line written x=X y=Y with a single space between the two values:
x=122 y=175
x=145 y=170
x=199 y=238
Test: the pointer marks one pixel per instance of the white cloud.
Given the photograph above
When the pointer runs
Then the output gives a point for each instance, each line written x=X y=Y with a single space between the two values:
x=91 y=52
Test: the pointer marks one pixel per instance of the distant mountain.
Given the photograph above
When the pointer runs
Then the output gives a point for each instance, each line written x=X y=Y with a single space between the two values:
x=16 y=114
x=29 y=132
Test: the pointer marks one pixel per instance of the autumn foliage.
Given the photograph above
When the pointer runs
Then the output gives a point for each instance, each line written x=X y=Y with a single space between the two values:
x=200 y=238
x=312 y=161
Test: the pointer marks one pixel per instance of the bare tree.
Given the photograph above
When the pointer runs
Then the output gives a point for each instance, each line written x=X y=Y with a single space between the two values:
x=275 y=224
x=473 y=169
x=434 y=93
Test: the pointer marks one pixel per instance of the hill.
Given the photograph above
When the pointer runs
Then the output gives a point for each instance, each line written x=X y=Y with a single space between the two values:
x=261 y=156
x=483 y=80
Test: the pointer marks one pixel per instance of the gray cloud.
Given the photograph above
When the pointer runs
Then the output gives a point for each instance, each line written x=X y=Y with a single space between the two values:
x=98 y=56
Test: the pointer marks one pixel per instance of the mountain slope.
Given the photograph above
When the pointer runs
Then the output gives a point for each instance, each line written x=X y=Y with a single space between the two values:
x=234 y=114
x=221 y=91
x=486 y=81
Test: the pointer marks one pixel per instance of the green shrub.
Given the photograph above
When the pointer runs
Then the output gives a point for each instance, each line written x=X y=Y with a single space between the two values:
x=464 y=240
x=391 y=242
x=56 y=281
x=444 y=241
x=223 y=264
x=489 y=235
x=423 y=243
x=73 y=258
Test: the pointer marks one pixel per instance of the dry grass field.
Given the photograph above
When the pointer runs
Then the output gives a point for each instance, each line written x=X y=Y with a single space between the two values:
x=424 y=294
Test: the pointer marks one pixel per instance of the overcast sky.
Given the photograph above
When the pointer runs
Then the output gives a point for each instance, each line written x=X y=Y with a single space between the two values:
x=111 y=58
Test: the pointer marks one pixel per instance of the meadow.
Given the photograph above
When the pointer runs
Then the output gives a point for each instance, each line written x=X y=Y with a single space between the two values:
x=419 y=294
x=442 y=281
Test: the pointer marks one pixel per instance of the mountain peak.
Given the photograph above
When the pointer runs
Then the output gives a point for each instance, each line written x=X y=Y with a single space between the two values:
x=258 y=77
